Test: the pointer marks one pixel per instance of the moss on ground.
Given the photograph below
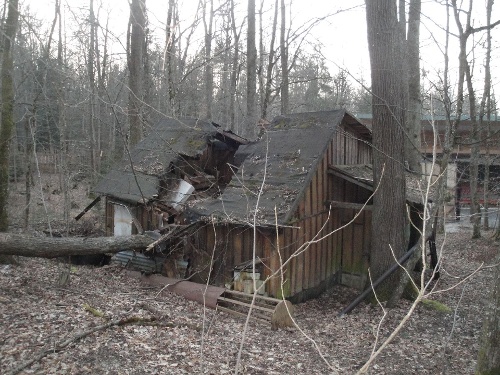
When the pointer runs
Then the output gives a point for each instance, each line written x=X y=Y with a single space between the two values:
x=435 y=305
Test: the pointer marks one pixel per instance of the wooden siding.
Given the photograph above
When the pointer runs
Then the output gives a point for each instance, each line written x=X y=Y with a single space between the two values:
x=146 y=218
x=312 y=262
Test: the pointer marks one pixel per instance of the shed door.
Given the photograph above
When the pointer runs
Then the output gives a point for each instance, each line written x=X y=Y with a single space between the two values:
x=355 y=248
x=122 y=221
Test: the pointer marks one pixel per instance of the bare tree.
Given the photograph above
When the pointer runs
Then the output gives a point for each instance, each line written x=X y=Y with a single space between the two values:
x=168 y=61
x=488 y=361
x=7 y=114
x=465 y=76
x=389 y=213
x=135 y=42
x=485 y=111
x=251 y=116
x=208 y=20
x=270 y=64
x=413 y=124
x=235 y=64
x=284 y=61
x=93 y=91
x=7 y=108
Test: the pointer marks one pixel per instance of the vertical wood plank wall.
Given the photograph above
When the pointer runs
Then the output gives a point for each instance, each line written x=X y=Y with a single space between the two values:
x=310 y=264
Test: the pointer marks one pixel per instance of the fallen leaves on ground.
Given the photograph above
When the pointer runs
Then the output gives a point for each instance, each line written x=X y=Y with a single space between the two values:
x=37 y=315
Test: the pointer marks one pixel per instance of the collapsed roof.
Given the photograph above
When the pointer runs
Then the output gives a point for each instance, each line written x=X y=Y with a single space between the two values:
x=276 y=170
x=170 y=141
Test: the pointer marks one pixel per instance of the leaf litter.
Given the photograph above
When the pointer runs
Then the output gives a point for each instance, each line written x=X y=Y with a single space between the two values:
x=185 y=338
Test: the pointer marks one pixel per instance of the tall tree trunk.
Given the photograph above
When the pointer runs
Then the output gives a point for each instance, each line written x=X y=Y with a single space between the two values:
x=451 y=125
x=28 y=161
x=209 y=72
x=7 y=115
x=413 y=127
x=251 y=117
x=136 y=42
x=488 y=361
x=412 y=101
x=92 y=104
x=485 y=110
x=226 y=71
x=62 y=126
x=234 y=71
x=389 y=214
x=7 y=109
x=475 y=208
x=465 y=77
x=284 y=63
x=261 y=54
x=270 y=64
x=168 y=60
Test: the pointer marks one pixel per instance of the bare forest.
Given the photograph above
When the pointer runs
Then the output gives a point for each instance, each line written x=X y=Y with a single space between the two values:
x=215 y=187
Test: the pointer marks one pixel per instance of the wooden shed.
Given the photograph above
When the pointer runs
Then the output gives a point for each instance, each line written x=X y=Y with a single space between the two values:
x=296 y=202
x=285 y=186
x=180 y=159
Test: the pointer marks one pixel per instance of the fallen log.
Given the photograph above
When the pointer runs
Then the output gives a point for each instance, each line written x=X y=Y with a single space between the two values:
x=50 y=247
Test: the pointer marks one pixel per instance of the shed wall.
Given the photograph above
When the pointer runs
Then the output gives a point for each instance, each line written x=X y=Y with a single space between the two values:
x=315 y=255
x=144 y=215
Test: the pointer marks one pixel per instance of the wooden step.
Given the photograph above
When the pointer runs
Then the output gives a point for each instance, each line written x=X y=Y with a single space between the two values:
x=264 y=309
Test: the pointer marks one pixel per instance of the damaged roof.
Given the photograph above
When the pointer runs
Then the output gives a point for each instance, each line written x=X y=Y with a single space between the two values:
x=168 y=141
x=280 y=165
x=362 y=175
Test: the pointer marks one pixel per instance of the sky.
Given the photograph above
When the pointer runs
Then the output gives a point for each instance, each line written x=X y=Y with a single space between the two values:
x=330 y=32
x=342 y=36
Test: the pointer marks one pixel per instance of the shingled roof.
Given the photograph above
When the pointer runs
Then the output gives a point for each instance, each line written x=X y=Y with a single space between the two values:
x=168 y=141
x=280 y=165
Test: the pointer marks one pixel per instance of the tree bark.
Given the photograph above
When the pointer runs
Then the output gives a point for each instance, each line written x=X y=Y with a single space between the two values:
x=234 y=72
x=92 y=102
x=389 y=214
x=251 y=118
x=7 y=114
x=414 y=95
x=485 y=110
x=51 y=247
x=284 y=62
x=135 y=50
x=7 y=109
x=488 y=361
x=465 y=76
x=209 y=72
x=270 y=65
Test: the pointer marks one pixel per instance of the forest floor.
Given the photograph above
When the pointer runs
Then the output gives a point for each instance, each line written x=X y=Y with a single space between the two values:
x=41 y=321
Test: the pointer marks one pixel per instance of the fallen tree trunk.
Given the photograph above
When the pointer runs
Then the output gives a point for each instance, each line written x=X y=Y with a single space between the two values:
x=49 y=247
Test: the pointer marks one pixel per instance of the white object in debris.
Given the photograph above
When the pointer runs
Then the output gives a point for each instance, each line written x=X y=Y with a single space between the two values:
x=247 y=286
x=181 y=191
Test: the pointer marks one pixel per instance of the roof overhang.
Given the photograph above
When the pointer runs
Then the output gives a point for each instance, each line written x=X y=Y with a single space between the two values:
x=362 y=175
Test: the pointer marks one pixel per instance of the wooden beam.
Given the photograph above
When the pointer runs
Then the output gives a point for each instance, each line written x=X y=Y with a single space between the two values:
x=367 y=185
x=355 y=206
x=92 y=204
